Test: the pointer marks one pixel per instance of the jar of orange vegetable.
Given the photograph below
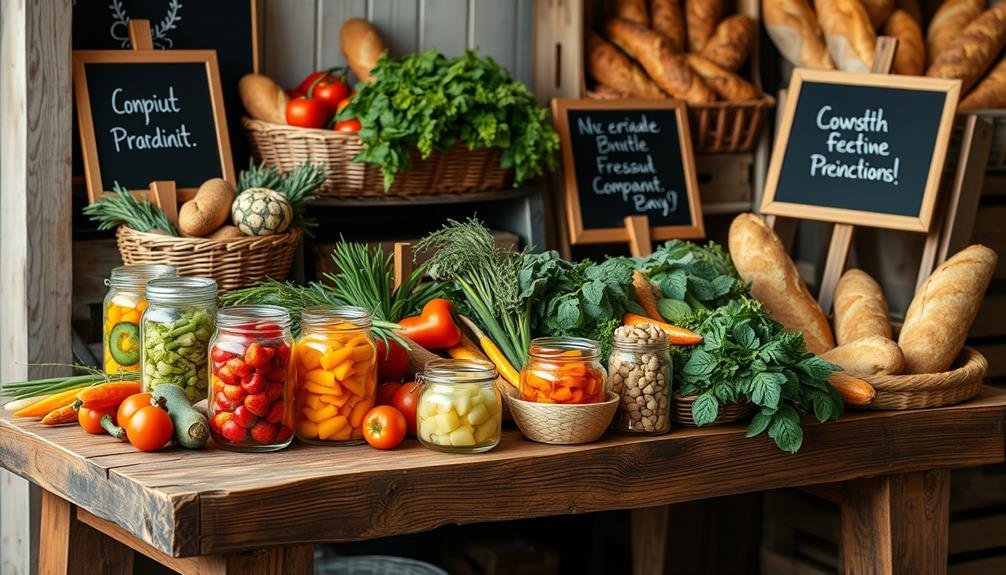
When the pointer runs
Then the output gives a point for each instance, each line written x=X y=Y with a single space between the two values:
x=336 y=367
x=563 y=370
x=121 y=312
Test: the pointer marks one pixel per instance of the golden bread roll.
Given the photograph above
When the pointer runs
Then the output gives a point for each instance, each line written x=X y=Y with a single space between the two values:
x=631 y=10
x=263 y=99
x=606 y=92
x=860 y=308
x=667 y=18
x=871 y=355
x=974 y=50
x=731 y=42
x=990 y=91
x=761 y=259
x=726 y=84
x=665 y=67
x=794 y=30
x=941 y=313
x=878 y=11
x=947 y=23
x=847 y=30
x=701 y=18
x=611 y=67
x=910 y=56
x=912 y=7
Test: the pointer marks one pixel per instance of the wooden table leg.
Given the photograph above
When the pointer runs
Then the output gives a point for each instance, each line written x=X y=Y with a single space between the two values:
x=896 y=524
x=648 y=531
x=265 y=561
x=69 y=547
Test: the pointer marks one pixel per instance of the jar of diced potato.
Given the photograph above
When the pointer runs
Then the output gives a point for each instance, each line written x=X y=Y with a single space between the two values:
x=122 y=309
x=336 y=382
x=460 y=409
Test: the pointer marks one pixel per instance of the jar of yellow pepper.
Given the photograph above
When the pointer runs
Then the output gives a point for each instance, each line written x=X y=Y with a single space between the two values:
x=122 y=308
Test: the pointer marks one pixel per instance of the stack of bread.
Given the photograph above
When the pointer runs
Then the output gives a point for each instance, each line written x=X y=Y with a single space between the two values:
x=690 y=50
x=964 y=42
x=935 y=327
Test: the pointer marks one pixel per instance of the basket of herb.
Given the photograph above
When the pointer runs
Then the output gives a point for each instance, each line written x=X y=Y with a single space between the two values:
x=429 y=125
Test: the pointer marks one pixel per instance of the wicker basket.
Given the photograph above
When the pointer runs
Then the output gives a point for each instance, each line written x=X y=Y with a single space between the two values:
x=234 y=263
x=681 y=411
x=959 y=384
x=561 y=424
x=458 y=170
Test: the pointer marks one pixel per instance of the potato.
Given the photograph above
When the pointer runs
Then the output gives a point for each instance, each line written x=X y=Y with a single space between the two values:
x=208 y=210
x=263 y=99
x=227 y=232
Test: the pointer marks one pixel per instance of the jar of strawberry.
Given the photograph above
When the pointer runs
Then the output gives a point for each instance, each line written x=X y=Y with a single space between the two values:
x=250 y=367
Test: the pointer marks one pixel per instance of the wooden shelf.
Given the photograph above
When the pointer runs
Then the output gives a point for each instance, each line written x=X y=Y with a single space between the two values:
x=433 y=199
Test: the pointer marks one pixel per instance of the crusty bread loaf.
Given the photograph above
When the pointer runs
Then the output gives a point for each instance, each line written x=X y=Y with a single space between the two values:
x=731 y=42
x=847 y=30
x=263 y=99
x=947 y=23
x=943 y=309
x=761 y=259
x=990 y=91
x=362 y=46
x=667 y=18
x=871 y=355
x=701 y=18
x=910 y=6
x=878 y=11
x=726 y=84
x=631 y=10
x=604 y=91
x=667 y=68
x=860 y=308
x=610 y=66
x=794 y=30
x=972 y=52
x=910 y=56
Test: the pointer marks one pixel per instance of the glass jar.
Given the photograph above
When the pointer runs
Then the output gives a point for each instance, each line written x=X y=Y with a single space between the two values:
x=336 y=382
x=563 y=370
x=641 y=374
x=121 y=310
x=176 y=330
x=249 y=371
x=459 y=409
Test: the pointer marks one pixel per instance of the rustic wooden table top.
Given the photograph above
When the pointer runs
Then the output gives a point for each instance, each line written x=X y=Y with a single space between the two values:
x=202 y=502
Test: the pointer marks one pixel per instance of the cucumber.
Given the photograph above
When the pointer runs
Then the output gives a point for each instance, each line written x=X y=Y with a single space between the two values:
x=124 y=343
x=192 y=430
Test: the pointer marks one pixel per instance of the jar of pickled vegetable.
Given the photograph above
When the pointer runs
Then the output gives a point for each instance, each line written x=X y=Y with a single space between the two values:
x=176 y=330
x=336 y=375
x=640 y=368
x=460 y=409
x=563 y=370
x=121 y=311
x=250 y=370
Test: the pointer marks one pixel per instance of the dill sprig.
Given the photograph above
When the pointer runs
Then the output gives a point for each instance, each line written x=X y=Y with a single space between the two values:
x=123 y=208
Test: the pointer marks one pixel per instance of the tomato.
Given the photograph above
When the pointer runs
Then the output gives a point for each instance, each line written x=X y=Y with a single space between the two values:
x=392 y=360
x=306 y=83
x=342 y=105
x=386 y=392
x=406 y=400
x=434 y=328
x=129 y=406
x=307 y=113
x=90 y=419
x=384 y=427
x=149 y=428
x=351 y=125
x=332 y=91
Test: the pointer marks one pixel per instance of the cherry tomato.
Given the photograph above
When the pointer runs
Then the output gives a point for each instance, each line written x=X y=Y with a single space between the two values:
x=307 y=113
x=351 y=125
x=149 y=428
x=406 y=400
x=90 y=419
x=129 y=406
x=386 y=392
x=392 y=360
x=384 y=427
x=332 y=91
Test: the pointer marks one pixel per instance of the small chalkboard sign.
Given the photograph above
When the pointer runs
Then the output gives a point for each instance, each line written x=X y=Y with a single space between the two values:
x=147 y=115
x=861 y=149
x=627 y=158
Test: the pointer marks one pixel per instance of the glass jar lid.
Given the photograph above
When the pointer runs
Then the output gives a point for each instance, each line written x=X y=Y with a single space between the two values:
x=253 y=318
x=458 y=371
x=558 y=348
x=335 y=317
x=182 y=290
x=136 y=276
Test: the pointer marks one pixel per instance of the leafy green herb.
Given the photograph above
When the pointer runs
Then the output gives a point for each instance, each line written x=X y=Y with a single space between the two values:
x=123 y=208
x=700 y=277
x=299 y=186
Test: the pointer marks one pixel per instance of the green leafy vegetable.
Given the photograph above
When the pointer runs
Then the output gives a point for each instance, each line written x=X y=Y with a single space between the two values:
x=123 y=208
x=701 y=277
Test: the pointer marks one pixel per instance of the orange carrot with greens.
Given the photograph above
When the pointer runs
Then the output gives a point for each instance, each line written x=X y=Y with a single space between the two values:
x=64 y=414
x=676 y=335
x=107 y=395
x=644 y=295
x=43 y=407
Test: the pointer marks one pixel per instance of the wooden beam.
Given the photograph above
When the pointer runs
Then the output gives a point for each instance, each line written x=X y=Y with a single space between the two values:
x=403 y=263
x=70 y=547
x=649 y=540
x=640 y=244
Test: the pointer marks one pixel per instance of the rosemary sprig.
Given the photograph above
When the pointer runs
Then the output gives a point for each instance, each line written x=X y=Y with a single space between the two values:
x=123 y=208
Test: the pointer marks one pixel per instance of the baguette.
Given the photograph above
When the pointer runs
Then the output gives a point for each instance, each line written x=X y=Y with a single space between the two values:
x=794 y=30
x=912 y=7
x=760 y=258
x=726 y=84
x=731 y=42
x=847 y=30
x=860 y=308
x=878 y=11
x=667 y=18
x=611 y=67
x=631 y=10
x=974 y=50
x=362 y=46
x=871 y=355
x=262 y=98
x=990 y=92
x=701 y=18
x=910 y=56
x=943 y=309
x=948 y=22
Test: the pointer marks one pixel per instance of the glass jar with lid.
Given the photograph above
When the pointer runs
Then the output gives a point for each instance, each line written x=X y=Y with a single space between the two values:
x=563 y=370
x=460 y=409
x=641 y=374
x=176 y=330
x=336 y=375
x=121 y=310
x=250 y=370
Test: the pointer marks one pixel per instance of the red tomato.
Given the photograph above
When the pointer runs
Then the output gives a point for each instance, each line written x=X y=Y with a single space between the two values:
x=305 y=84
x=90 y=419
x=351 y=125
x=307 y=113
x=129 y=406
x=392 y=360
x=406 y=400
x=149 y=428
x=384 y=427
x=332 y=91
x=386 y=392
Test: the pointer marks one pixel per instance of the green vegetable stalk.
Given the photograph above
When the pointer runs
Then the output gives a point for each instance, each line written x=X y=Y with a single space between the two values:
x=175 y=352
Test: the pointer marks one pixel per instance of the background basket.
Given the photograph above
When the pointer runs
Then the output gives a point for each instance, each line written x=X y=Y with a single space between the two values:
x=961 y=383
x=681 y=411
x=458 y=170
x=560 y=424
x=234 y=263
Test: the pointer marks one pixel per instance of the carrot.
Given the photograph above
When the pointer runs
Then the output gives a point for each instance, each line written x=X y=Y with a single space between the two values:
x=505 y=369
x=41 y=408
x=64 y=414
x=108 y=394
x=466 y=350
x=676 y=335
x=854 y=391
x=644 y=295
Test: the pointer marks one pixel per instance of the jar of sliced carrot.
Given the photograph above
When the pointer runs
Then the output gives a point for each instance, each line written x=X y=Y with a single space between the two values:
x=460 y=409
x=563 y=370
x=336 y=375
x=121 y=311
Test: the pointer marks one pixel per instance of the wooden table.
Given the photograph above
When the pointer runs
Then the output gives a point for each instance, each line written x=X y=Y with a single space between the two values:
x=214 y=511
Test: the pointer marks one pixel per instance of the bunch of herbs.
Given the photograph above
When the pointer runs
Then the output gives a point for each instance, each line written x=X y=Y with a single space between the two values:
x=691 y=278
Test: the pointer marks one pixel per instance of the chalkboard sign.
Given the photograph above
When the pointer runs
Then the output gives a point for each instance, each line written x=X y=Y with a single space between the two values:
x=627 y=158
x=861 y=149
x=150 y=115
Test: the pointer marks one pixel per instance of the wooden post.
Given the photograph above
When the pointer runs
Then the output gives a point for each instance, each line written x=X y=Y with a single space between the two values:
x=649 y=539
x=403 y=263
x=166 y=198
x=139 y=35
x=638 y=227
x=70 y=547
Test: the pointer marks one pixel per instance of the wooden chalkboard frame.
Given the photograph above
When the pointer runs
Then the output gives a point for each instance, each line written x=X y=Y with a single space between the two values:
x=922 y=222
x=88 y=143
x=577 y=233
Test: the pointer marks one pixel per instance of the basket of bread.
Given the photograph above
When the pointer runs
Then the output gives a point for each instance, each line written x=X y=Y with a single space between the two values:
x=658 y=49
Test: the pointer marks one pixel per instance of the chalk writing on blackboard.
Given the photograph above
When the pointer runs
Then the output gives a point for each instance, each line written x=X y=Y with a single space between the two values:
x=157 y=137
x=867 y=142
